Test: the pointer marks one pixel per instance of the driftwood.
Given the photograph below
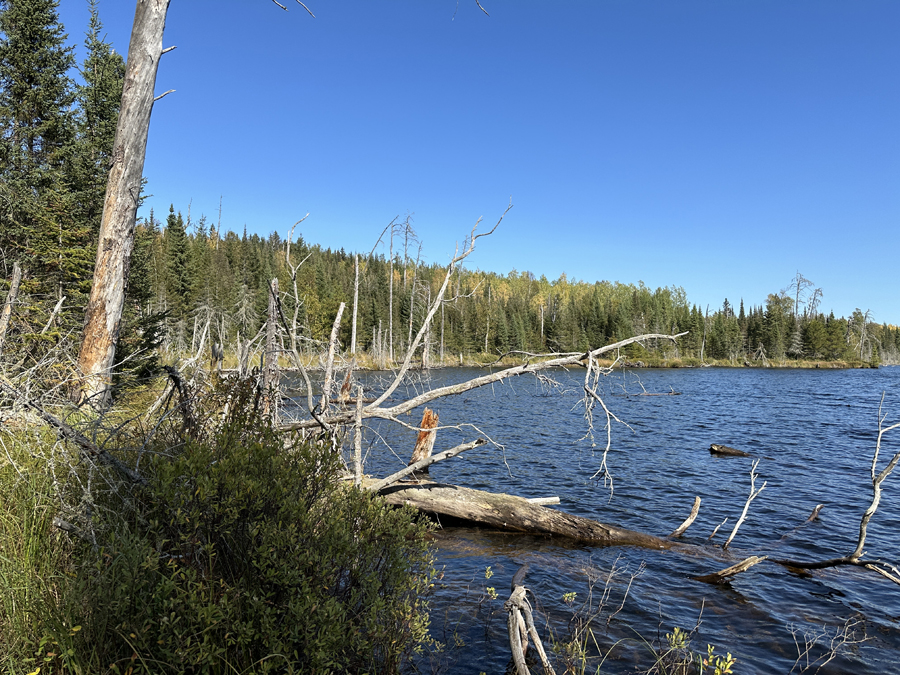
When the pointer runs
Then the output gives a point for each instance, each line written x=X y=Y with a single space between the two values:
x=695 y=509
x=520 y=624
x=725 y=451
x=722 y=575
x=514 y=514
x=543 y=501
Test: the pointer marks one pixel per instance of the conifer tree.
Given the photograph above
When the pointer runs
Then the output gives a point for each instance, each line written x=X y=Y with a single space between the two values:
x=98 y=98
x=36 y=96
x=178 y=276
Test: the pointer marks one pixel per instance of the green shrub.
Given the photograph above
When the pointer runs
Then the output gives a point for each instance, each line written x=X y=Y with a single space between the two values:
x=246 y=554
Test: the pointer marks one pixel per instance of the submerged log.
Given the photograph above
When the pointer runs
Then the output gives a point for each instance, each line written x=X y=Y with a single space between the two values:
x=514 y=514
x=725 y=451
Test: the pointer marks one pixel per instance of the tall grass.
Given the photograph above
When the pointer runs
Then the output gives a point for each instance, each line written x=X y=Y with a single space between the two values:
x=34 y=554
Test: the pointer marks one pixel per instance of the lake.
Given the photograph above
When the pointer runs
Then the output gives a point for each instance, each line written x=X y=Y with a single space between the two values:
x=815 y=431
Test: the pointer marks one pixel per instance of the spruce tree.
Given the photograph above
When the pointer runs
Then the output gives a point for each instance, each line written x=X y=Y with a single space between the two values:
x=98 y=98
x=36 y=97
x=178 y=275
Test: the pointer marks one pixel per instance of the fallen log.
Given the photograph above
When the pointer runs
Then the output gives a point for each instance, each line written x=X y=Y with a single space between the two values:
x=513 y=514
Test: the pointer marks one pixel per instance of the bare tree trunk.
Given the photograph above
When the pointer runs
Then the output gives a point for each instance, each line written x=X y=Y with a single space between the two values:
x=703 y=343
x=355 y=303
x=270 y=372
x=116 y=241
x=329 y=364
x=10 y=301
x=391 y=301
x=357 y=440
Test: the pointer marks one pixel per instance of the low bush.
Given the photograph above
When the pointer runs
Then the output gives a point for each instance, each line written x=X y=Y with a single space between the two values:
x=244 y=554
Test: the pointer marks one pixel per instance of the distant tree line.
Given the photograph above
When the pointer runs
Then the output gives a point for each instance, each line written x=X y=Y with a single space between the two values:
x=198 y=275
x=187 y=276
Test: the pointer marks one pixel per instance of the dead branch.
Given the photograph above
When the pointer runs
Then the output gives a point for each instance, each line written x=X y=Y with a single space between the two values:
x=89 y=450
x=520 y=622
x=722 y=575
x=695 y=509
x=753 y=495
x=53 y=315
x=424 y=463
x=306 y=8
x=710 y=537
x=468 y=248
x=815 y=513
x=187 y=412
x=543 y=501
x=884 y=569
x=843 y=638
x=329 y=364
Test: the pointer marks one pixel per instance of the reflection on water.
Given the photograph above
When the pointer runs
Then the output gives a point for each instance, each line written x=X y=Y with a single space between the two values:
x=815 y=431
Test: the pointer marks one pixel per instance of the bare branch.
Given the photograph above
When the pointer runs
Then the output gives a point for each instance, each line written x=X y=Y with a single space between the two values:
x=481 y=8
x=421 y=464
x=306 y=8
x=164 y=94
x=280 y=5
x=168 y=49
x=329 y=364
x=690 y=519
x=722 y=575
x=753 y=495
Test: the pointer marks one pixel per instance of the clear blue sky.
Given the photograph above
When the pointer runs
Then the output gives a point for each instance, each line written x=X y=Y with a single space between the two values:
x=718 y=146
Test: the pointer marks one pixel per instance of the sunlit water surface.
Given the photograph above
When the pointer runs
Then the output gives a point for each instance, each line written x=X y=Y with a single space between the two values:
x=815 y=433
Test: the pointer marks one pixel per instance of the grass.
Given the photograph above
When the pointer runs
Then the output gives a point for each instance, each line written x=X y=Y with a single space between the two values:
x=33 y=553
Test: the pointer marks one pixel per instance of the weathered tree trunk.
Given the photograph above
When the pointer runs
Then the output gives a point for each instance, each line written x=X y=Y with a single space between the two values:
x=123 y=189
x=10 y=301
x=270 y=372
x=426 y=437
x=515 y=514
x=355 y=303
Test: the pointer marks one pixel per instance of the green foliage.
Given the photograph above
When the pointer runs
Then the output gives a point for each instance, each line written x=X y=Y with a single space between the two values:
x=243 y=554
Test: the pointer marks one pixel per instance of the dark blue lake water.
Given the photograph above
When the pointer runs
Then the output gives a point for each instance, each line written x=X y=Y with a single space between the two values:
x=815 y=431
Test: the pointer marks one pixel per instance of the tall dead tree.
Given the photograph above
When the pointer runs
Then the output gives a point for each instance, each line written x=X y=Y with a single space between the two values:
x=123 y=190
x=10 y=301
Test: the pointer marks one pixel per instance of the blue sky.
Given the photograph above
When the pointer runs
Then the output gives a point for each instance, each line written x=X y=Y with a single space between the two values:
x=718 y=146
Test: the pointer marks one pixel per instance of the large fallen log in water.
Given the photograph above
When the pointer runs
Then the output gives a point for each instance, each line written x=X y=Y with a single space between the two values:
x=515 y=514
